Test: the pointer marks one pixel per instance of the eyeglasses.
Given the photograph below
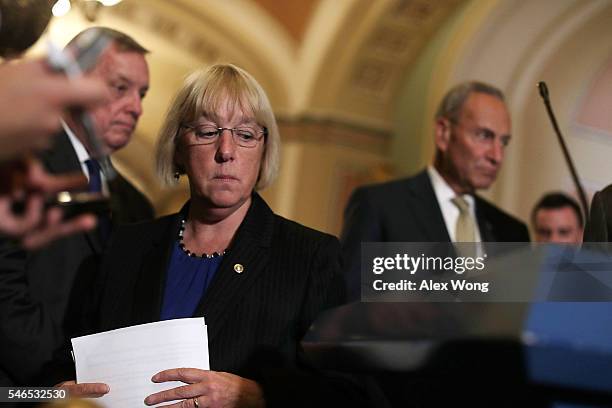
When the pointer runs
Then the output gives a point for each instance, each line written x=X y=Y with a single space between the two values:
x=243 y=136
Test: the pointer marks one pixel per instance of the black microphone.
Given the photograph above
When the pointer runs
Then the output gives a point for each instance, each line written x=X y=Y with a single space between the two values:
x=568 y=159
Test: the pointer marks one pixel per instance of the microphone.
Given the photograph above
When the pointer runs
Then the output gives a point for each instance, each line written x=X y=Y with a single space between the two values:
x=568 y=159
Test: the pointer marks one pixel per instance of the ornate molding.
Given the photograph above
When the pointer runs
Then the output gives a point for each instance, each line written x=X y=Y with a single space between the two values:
x=398 y=38
x=328 y=131
x=168 y=27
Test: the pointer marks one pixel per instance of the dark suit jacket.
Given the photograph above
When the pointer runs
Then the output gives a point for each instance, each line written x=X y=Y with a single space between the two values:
x=256 y=318
x=35 y=286
x=599 y=225
x=407 y=210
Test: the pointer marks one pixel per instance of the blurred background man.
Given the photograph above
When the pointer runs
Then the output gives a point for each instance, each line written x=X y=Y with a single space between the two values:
x=557 y=218
x=439 y=204
x=599 y=225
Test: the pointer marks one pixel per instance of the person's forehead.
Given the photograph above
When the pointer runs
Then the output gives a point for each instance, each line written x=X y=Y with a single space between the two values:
x=557 y=216
x=114 y=63
x=227 y=109
x=487 y=108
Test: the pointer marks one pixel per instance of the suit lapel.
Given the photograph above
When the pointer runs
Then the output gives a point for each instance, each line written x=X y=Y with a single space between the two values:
x=487 y=234
x=151 y=281
x=117 y=187
x=250 y=249
x=426 y=208
x=61 y=157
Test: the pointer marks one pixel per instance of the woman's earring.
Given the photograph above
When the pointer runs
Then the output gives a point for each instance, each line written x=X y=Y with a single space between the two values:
x=177 y=175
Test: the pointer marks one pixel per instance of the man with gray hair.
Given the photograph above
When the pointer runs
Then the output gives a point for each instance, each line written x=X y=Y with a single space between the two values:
x=439 y=204
x=36 y=287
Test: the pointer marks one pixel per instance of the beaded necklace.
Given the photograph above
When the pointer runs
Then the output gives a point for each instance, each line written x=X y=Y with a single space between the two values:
x=181 y=245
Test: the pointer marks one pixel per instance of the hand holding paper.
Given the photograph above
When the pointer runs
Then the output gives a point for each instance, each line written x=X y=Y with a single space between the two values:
x=209 y=388
x=126 y=359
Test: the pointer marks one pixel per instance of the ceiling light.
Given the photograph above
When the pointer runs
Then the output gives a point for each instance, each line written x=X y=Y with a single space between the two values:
x=61 y=8
x=89 y=8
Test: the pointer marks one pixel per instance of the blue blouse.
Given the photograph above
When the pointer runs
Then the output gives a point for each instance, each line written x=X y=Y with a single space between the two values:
x=186 y=283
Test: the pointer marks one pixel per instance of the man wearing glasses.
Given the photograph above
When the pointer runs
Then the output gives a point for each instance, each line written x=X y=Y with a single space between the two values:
x=439 y=204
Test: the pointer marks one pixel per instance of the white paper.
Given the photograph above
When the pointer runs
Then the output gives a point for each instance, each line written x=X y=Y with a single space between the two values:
x=127 y=358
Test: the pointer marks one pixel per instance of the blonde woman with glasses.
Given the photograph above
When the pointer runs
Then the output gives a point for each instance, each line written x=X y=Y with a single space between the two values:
x=258 y=279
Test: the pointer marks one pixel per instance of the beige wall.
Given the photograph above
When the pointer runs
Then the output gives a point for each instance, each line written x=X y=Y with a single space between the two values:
x=570 y=72
x=324 y=177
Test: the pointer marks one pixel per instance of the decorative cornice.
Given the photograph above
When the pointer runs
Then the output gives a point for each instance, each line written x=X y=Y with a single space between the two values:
x=397 y=40
x=168 y=27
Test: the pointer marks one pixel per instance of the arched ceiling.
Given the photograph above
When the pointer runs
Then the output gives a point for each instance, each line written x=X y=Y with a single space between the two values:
x=294 y=16
x=339 y=59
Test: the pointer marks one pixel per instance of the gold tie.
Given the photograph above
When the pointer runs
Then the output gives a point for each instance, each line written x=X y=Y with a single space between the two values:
x=465 y=228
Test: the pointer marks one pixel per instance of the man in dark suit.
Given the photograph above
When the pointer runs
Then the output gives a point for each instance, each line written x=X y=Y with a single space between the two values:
x=599 y=225
x=439 y=204
x=35 y=286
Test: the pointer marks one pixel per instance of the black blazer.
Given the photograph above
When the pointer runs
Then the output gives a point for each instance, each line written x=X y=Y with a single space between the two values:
x=599 y=224
x=35 y=286
x=256 y=318
x=407 y=210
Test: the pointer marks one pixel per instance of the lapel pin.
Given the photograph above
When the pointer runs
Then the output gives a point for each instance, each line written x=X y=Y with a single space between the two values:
x=238 y=268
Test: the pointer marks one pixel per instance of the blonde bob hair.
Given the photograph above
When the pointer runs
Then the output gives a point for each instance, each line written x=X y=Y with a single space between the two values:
x=204 y=93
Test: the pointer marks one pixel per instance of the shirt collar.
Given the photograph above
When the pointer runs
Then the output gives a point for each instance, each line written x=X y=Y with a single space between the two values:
x=444 y=192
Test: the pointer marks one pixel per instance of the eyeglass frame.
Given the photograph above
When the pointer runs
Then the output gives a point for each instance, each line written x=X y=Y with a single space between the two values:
x=219 y=132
